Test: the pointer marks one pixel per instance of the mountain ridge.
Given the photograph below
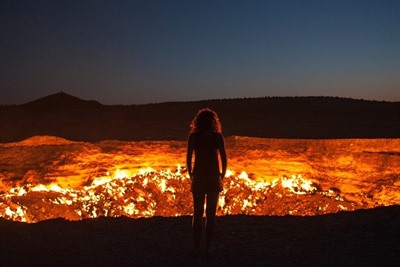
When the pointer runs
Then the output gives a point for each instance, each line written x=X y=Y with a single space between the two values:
x=60 y=100
x=63 y=98
x=75 y=119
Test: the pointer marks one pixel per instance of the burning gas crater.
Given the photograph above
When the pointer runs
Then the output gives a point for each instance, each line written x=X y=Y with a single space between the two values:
x=165 y=193
x=48 y=177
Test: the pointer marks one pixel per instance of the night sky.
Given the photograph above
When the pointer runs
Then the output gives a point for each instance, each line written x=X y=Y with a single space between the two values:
x=134 y=52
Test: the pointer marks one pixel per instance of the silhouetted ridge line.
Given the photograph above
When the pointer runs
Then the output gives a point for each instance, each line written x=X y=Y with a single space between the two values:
x=61 y=100
x=75 y=119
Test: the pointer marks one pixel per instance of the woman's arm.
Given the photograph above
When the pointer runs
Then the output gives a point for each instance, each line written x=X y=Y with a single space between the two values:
x=189 y=153
x=222 y=152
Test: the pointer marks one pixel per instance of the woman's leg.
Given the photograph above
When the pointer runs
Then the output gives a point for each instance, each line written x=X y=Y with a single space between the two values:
x=212 y=201
x=197 y=221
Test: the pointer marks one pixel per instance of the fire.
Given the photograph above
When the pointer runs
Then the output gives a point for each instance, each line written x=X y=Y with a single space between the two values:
x=150 y=192
x=298 y=185
x=74 y=180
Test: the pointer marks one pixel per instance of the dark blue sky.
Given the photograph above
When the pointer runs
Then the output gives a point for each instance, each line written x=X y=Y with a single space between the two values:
x=132 y=52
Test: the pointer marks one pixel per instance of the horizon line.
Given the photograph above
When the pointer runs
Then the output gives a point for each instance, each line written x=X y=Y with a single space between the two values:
x=203 y=100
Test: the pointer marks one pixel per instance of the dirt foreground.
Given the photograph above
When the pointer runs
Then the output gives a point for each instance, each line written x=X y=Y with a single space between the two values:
x=359 y=238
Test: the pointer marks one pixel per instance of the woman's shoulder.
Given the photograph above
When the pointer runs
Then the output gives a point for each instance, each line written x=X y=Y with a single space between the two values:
x=192 y=135
x=219 y=134
x=207 y=134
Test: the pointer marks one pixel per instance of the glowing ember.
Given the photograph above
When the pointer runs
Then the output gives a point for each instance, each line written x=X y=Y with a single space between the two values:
x=160 y=193
x=84 y=187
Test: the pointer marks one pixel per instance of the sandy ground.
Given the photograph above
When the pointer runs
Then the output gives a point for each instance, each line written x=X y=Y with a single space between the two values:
x=360 y=238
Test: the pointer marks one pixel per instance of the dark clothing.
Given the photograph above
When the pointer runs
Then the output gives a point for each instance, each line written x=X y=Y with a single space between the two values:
x=206 y=179
x=206 y=173
x=206 y=153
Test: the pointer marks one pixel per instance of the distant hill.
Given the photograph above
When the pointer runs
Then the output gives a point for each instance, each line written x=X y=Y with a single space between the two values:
x=75 y=119
x=61 y=100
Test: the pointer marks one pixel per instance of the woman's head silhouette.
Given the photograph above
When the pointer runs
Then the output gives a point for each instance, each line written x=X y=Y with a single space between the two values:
x=206 y=120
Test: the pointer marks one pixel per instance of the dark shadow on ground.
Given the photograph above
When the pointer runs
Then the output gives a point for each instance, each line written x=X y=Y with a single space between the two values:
x=361 y=238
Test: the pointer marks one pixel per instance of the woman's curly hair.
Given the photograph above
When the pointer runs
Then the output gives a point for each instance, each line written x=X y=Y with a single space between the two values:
x=206 y=119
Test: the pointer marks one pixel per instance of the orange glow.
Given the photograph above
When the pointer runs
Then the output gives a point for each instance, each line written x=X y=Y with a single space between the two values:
x=153 y=193
x=144 y=179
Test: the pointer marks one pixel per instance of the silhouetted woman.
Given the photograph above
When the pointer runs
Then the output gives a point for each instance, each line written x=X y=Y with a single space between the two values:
x=206 y=140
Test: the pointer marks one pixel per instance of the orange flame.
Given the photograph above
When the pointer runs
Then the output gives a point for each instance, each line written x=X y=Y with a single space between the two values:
x=75 y=180
x=152 y=192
